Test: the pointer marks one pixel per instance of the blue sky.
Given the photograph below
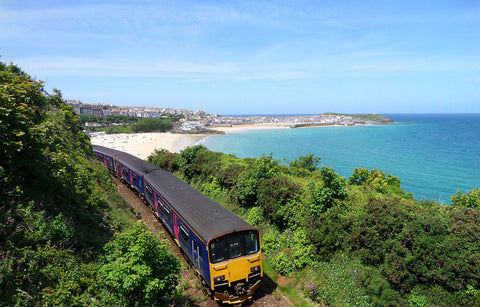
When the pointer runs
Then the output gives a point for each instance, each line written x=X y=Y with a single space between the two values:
x=252 y=57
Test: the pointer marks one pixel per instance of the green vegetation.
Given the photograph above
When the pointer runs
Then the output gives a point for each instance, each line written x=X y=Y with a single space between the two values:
x=370 y=117
x=361 y=241
x=471 y=199
x=109 y=119
x=364 y=117
x=67 y=238
x=138 y=270
x=59 y=209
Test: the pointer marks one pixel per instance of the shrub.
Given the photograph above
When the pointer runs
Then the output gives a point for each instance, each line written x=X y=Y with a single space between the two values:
x=289 y=251
x=378 y=181
x=308 y=162
x=139 y=269
x=246 y=189
x=471 y=199
x=336 y=283
x=273 y=195
x=325 y=194
x=165 y=159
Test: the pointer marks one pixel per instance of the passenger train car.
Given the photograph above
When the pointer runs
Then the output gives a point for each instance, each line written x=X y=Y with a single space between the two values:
x=223 y=248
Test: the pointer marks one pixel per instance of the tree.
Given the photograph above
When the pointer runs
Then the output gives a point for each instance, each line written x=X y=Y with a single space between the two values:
x=139 y=269
x=188 y=156
x=325 y=195
x=246 y=189
x=152 y=124
x=308 y=162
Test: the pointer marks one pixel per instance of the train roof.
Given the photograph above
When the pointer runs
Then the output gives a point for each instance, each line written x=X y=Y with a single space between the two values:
x=105 y=150
x=139 y=165
x=208 y=218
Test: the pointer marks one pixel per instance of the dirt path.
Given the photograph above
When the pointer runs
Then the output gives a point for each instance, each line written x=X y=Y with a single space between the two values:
x=267 y=295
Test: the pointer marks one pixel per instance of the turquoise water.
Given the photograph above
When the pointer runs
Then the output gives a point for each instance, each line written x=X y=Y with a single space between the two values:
x=434 y=155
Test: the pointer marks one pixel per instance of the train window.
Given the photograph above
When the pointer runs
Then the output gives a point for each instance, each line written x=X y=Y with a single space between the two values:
x=125 y=171
x=134 y=177
x=165 y=209
x=217 y=250
x=149 y=192
x=108 y=160
x=99 y=157
x=251 y=242
x=235 y=247
x=184 y=233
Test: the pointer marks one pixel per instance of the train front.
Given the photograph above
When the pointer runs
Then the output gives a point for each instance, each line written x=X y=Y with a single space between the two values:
x=235 y=266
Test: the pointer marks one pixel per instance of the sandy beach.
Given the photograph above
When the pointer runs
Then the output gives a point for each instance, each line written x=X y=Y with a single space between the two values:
x=144 y=144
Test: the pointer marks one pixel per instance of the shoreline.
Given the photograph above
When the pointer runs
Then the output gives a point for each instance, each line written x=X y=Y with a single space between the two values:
x=142 y=145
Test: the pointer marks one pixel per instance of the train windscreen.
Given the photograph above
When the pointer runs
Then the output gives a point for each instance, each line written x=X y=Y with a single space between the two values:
x=234 y=245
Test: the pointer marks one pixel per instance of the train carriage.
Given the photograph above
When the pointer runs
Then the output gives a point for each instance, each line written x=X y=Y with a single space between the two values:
x=106 y=156
x=223 y=248
x=129 y=168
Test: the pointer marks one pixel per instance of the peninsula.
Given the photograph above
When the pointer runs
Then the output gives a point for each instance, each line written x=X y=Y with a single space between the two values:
x=298 y=121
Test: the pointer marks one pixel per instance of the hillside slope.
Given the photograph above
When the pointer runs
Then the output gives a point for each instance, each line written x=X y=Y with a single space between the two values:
x=59 y=211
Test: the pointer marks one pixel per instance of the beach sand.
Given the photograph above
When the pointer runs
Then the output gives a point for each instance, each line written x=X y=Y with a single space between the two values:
x=143 y=144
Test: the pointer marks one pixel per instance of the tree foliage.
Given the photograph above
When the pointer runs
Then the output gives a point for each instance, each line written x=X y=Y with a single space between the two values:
x=139 y=269
x=57 y=206
x=330 y=190
x=363 y=240
x=248 y=182
x=152 y=125
x=377 y=180
x=471 y=199
x=308 y=162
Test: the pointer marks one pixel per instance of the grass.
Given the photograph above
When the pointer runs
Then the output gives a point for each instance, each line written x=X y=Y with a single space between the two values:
x=289 y=287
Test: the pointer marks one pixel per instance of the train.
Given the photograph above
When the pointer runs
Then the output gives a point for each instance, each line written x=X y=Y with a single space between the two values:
x=223 y=249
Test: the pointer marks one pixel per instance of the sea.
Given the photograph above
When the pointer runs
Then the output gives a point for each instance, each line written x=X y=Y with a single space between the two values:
x=433 y=155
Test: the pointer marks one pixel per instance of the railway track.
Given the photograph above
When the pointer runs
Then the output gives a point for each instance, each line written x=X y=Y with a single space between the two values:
x=267 y=295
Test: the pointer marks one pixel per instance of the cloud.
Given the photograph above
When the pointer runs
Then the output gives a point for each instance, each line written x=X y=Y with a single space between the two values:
x=233 y=40
x=94 y=67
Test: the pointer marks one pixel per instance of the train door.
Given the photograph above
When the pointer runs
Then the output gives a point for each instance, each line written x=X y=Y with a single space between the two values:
x=175 y=226
x=196 y=253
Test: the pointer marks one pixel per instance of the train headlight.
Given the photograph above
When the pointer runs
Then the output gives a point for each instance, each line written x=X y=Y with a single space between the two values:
x=219 y=279
x=255 y=269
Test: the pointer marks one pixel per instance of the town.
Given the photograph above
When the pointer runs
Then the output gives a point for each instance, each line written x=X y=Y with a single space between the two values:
x=194 y=120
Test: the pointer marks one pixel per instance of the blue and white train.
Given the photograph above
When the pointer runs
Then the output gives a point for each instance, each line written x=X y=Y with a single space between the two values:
x=222 y=247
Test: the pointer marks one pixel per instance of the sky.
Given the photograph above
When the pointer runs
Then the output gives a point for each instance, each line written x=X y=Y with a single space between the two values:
x=252 y=57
